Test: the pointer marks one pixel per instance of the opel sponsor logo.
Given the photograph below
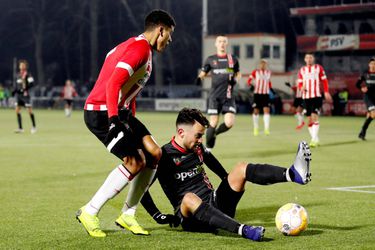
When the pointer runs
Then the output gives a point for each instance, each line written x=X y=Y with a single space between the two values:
x=183 y=175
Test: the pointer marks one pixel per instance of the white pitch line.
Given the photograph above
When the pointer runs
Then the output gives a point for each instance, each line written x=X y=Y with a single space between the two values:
x=354 y=189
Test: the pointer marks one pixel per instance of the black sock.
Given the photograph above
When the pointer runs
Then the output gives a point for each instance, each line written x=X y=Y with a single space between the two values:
x=19 y=120
x=265 y=174
x=366 y=124
x=215 y=218
x=210 y=137
x=222 y=128
x=32 y=119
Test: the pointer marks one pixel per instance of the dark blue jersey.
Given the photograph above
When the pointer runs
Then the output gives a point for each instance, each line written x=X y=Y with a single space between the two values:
x=368 y=78
x=180 y=171
x=223 y=69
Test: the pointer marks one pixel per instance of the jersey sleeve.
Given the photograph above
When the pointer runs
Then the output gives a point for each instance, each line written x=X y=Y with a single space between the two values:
x=323 y=78
x=236 y=67
x=133 y=57
x=207 y=65
x=251 y=77
x=300 y=79
x=214 y=165
x=361 y=79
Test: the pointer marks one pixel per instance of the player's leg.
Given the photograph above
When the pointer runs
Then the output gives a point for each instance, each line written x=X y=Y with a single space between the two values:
x=255 y=121
x=139 y=186
x=32 y=118
x=369 y=117
x=266 y=119
x=265 y=174
x=211 y=131
x=228 y=123
x=133 y=161
x=229 y=110
x=256 y=107
x=19 y=119
x=66 y=108
x=299 y=116
x=193 y=207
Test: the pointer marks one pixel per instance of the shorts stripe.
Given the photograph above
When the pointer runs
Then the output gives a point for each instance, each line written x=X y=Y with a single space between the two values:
x=115 y=140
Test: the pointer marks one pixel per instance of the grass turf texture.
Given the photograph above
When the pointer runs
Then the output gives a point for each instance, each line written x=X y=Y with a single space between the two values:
x=47 y=176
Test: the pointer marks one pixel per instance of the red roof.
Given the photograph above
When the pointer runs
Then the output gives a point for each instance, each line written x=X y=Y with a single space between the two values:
x=333 y=9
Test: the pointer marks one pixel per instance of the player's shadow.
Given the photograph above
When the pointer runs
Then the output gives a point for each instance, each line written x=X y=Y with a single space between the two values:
x=266 y=153
x=339 y=143
x=264 y=214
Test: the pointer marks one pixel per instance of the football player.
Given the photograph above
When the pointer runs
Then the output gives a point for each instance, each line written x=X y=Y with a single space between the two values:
x=197 y=205
x=109 y=115
x=368 y=88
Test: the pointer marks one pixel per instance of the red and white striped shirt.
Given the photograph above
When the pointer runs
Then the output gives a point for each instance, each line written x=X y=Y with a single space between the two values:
x=68 y=92
x=125 y=72
x=262 y=83
x=309 y=78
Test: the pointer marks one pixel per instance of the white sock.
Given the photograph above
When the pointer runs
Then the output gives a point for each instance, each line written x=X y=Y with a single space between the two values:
x=266 y=120
x=256 y=121
x=66 y=112
x=310 y=130
x=315 y=131
x=114 y=183
x=240 y=229
x=299 y=118
x=138 y=186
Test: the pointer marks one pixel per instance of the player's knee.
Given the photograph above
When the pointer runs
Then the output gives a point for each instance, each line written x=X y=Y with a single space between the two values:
x=229 y=124
x=190 y=200
x=240 y=169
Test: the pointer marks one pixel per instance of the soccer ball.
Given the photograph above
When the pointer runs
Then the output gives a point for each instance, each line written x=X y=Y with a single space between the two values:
x=291 y=219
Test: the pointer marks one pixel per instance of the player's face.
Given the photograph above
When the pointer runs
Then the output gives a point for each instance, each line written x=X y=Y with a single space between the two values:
x=193 y=136
x=371 y=66
x=165 y=37
x=263 y=65
x=23 y=66
x=221 y=44
x=309 y=59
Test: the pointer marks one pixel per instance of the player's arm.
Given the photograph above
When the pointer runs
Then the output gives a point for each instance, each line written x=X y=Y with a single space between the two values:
x=214 y=165
x=136 y=55
x=271 y=89
x=203 y=73
x=30 y=82
x=359 y=85
x=300 y=81
x=324 y=79
x=151 y=208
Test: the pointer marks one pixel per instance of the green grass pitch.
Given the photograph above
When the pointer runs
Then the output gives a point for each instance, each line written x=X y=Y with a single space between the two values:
x=47 y=176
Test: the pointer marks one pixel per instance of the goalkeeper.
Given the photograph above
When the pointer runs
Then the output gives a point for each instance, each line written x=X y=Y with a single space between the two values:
x=197 y=205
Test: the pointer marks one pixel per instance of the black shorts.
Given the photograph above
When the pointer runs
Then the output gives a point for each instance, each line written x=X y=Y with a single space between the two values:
x=298 y=102
x=221 y=105
x=68 y=101
x=261 y=101
x=223 y=198
x=313 y=105
x=370 y=102
x=97 y=123
x=22 y=100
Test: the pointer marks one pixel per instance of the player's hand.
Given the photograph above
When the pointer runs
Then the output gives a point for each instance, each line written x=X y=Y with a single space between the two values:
x=288 y=84
x=172 y=220
x=328 y=97
x=115 y=128
x=198 y=81
x=232 y=81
